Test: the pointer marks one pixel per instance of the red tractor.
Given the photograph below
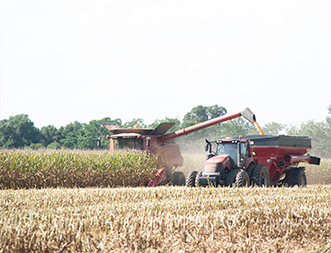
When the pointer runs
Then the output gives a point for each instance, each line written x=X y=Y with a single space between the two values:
x=256 y=160
x=156 y=142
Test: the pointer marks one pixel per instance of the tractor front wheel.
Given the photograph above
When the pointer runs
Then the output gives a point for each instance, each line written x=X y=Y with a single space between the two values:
x=190 y=181
x=197 y=183
x=231 y=178
x=242 y=179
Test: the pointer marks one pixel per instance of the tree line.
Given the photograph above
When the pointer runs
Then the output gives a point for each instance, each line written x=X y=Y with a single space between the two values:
x=19 y=131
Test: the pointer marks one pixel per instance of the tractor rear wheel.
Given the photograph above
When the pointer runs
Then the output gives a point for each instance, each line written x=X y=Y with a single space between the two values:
x=260 y=176
x=190 y=180
x=197 y=184
x=242 y=179
x=178 y=178
x=231 y=179
x=249 y=170
x=296 y=176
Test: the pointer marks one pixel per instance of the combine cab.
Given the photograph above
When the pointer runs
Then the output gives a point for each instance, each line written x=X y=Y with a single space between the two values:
x=257 y=160
x=156 y=142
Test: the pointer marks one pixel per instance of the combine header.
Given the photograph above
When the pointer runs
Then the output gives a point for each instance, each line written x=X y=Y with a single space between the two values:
x=156 y=142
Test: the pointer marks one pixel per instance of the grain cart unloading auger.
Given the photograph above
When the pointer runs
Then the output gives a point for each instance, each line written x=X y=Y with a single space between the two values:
x=257 y=160
x=154 y=141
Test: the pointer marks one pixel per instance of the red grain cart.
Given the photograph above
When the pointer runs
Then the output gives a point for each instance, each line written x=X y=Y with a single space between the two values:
x=256 y=160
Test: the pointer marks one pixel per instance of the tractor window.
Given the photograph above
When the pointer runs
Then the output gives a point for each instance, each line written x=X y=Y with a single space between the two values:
x=243 y=150
x=228 y=149
x=128 y=143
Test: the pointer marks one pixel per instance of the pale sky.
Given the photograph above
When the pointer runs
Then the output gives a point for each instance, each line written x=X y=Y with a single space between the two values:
x=68 y=60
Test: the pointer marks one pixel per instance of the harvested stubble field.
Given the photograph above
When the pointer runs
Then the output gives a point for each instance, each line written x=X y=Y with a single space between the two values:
x=166 y=219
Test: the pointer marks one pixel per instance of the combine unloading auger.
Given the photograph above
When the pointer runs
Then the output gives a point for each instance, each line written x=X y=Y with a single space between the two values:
x=246 y=113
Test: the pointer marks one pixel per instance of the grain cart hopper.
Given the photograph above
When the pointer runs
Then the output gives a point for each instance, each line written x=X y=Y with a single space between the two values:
x=156 y=142
x=257 y=160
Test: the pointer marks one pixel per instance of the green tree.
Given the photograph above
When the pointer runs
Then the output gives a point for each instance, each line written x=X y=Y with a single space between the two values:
x=236 y=127
x=54 y=145
x=93 y=130
x=293 y=130
x=49 y=134
x=194 y=141
x=167 y=120
x=202 y=113
x=36 y=145
x=133 y=122
x=273 y=128
x=71 y=133
x=320 y=134
x=328 y=118
x=18 y=131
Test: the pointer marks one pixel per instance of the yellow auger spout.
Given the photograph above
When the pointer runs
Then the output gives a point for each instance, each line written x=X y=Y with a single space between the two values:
x=258 y=127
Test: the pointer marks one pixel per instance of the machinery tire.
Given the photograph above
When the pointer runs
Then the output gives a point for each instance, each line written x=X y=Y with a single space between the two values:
x=231 y=179
x=197 y=179
x=295 y=176
x=249 y=171
x=242 y=179
x=178 y=178
x=190 y=180
x=260 y=176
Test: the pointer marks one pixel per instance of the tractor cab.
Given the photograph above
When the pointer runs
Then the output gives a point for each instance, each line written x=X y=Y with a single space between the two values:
x=237 y=149
x=223 y=164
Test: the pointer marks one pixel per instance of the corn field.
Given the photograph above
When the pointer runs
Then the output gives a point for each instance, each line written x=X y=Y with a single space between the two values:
x=166 y=219
x=42 y=169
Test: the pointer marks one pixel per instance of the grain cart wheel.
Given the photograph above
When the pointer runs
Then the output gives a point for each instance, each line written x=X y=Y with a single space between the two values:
x=178 y=178
x=242 y=179
x=190 y=180
x=296 y=176
x=197 y=179
x=260 y=176
x=231 y=179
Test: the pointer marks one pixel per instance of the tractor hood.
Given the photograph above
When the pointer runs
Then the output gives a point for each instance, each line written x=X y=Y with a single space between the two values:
x=215 y=164
x=217 y=159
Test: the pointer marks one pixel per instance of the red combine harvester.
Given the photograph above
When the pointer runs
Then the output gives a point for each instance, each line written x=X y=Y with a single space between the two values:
x=256 y=160
x=156 y=142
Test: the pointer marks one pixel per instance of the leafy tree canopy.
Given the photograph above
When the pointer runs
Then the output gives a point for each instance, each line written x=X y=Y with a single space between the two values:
x=167 y=120
x=18 y=132
x=202 y=113
x=133 y=122
x=273 y=128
